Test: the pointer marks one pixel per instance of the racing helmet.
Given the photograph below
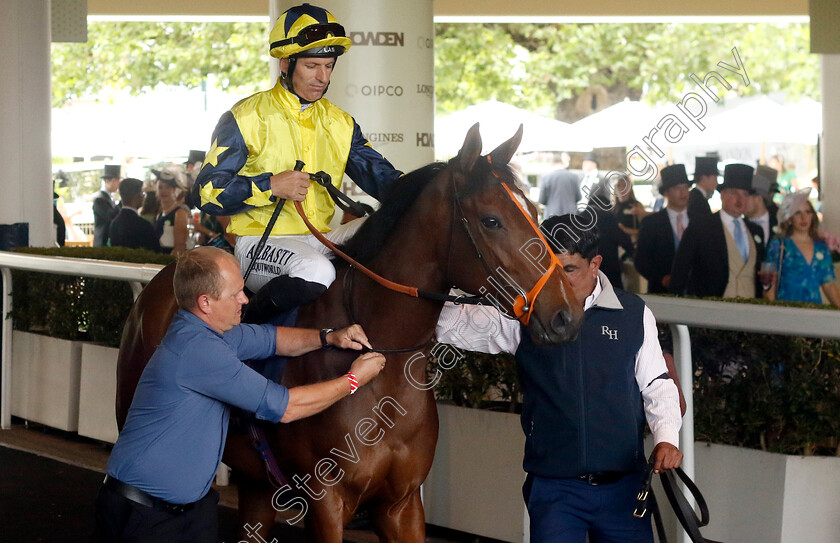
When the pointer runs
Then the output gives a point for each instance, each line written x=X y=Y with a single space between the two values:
x=308 y=29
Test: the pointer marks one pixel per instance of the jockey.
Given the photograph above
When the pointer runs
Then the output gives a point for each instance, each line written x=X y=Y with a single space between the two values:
x=254 y=150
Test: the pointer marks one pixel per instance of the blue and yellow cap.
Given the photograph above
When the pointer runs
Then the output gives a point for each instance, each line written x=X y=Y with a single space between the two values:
x=310 y=29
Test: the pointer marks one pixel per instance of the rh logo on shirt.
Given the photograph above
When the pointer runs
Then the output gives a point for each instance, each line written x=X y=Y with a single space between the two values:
x=613 y=334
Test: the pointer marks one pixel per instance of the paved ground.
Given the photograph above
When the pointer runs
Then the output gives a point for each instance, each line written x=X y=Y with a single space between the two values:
x=48 y=481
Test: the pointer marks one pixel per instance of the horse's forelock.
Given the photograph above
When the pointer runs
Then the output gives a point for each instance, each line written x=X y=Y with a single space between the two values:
x=486 y=174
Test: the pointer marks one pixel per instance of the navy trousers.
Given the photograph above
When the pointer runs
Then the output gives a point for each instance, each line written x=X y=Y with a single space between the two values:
x=566 y=510
x=120 y=520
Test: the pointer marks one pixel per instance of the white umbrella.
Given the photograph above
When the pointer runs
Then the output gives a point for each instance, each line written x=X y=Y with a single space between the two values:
x=620 y=125
x=498 y=122
x=756 y=121
x=164 y=123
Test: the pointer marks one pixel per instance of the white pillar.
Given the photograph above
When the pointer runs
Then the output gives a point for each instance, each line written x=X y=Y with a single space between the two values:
x=830 y=142
x=25 y=112
x=386 y=79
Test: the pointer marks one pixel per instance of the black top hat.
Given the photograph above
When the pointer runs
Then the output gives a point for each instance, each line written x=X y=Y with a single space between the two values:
x=112 y=171
x=705 y=165
x=195 y=156
x=673 y=176
x=591 y=157
x=737 y=176
x=764 y=180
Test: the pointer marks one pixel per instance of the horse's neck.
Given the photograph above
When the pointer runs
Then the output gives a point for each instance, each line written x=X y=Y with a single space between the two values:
x=412 y=259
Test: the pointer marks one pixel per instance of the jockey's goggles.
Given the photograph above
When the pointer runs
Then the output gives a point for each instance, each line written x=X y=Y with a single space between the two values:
x=313 y=33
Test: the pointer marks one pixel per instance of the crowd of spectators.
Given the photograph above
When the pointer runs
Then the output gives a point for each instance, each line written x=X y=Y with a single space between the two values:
x=158 y=214
x=764 y=241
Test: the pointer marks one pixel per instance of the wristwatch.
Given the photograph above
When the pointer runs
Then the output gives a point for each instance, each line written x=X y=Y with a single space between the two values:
x=324 y=332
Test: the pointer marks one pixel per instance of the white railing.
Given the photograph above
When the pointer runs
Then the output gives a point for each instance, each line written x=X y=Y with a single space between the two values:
x=681 y=313
x=135 y=274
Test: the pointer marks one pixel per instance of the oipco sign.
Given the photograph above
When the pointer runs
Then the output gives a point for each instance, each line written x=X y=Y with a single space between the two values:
x=374 y=90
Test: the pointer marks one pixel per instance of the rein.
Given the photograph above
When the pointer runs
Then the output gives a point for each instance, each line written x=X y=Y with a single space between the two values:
x=684 y=511
x=524 y=303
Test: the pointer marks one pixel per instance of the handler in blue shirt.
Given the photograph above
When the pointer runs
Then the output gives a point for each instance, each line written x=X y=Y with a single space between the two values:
x=159 y=476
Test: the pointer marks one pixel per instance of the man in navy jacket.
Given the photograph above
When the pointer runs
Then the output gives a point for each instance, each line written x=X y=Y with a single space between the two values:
x=585 y=402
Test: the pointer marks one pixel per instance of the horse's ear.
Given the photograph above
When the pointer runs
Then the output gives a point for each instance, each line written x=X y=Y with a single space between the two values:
x=504 y=152
x=470 y=151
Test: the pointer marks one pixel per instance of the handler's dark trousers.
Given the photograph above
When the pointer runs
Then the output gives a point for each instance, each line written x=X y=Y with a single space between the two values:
x=121 y=520
x=565 y=510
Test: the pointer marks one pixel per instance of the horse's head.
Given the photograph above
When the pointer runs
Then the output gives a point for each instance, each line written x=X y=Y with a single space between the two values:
x=497 y=249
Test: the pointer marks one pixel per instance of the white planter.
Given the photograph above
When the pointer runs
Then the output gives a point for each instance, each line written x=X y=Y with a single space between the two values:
x=475 y=484
x=45 y=380
x=772 y=498
x=98 y=389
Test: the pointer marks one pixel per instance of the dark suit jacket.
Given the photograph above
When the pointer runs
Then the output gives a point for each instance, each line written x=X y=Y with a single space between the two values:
x=610 y=238
x=655 y=250
x=773 y=222
x=559 y=193
x=128 y=229
x=103 y=212
x=701 y=266
x=698 y=206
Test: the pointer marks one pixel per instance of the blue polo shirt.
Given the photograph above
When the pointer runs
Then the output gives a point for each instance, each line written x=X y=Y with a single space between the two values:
x=172 y=441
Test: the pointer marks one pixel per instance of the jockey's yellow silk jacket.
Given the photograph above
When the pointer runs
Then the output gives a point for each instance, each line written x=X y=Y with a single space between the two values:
x=264 y=135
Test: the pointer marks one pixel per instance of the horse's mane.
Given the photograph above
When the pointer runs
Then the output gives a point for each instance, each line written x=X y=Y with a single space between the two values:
x=398 y=199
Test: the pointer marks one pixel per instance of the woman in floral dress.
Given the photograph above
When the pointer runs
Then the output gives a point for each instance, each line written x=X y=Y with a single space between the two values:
x=799 y=257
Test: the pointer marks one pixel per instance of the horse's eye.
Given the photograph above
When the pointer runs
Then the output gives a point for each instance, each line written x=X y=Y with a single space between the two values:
x=491 y=222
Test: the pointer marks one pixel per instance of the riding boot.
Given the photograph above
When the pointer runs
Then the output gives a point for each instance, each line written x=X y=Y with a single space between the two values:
x=281 y=294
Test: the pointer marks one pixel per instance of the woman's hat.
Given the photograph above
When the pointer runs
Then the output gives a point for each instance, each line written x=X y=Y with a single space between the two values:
x=170 y=175
x=791 y=203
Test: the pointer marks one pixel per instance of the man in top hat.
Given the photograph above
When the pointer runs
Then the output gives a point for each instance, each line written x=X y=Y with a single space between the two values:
x=760 y=207
x=660 y=233
x=590 y=181
x=104 y=207
x=193 y=164
x=705 y=182
x=719 y=255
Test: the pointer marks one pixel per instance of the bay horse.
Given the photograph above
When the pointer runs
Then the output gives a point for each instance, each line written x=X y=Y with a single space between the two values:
x=461 y=224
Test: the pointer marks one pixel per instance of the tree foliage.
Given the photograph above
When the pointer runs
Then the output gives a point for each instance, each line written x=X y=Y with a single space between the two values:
x=545 y=67
x=140 y=55
x=540 y=67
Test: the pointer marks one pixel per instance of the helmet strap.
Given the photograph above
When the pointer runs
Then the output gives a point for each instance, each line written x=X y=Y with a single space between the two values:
x=286 y=80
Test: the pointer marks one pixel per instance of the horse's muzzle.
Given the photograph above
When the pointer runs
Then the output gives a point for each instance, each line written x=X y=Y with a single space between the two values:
x=562 y=327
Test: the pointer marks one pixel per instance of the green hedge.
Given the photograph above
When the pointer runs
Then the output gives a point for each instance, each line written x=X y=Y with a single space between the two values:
x=72 y=307
x=775 y=393
x=769 y=392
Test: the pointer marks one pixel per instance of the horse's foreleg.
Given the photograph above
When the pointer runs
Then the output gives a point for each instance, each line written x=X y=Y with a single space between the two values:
x=325 y=520
x=401 y=522
x=256 y=514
